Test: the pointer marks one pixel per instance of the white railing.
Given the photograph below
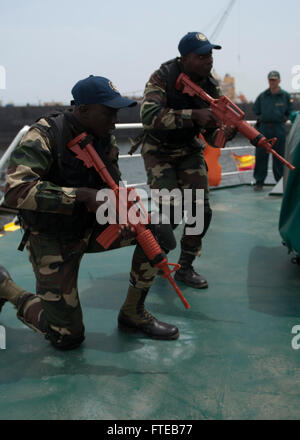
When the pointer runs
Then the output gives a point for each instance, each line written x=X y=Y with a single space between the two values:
x=131 y=126
x=10 y=149
x=140 y=126
x=12 y=146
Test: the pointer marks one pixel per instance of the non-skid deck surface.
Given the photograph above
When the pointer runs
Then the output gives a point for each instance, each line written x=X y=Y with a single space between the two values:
x=234 y=358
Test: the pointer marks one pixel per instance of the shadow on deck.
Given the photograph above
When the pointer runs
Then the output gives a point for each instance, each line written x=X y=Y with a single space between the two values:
x=234 y=358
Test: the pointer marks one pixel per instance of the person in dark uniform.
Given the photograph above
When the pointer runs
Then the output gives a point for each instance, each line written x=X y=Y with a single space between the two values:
x=272 y=108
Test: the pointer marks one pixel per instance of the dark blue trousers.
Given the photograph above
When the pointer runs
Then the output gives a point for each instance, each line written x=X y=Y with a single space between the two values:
x=262 y=156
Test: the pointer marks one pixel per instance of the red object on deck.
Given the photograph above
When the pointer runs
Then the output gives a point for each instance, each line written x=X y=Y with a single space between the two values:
x=212 y=156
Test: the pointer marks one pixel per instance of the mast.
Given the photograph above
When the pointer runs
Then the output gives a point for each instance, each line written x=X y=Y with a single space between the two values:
x=221 y=22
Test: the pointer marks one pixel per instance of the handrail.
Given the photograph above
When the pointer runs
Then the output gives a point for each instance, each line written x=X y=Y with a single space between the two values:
x=12 y=146
x=228 y=148
x=129 y=126
x=132 y=126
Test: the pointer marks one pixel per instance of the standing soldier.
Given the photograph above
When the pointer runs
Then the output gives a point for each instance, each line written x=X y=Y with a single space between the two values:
x=172 y=150
x=273 y=108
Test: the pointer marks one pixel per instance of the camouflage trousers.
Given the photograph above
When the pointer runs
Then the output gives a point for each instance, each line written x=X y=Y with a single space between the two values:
x=179 y=168
x=55 y=310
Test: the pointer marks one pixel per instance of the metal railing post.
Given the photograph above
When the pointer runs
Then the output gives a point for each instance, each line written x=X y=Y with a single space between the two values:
x=12 y=146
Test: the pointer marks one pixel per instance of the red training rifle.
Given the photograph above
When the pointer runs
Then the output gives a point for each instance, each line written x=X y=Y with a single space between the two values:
x=231 y=115
x=84 y=150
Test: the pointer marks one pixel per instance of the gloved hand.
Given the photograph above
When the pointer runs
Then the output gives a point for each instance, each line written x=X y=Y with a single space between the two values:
x=229 y=132
x=204 y=118
x=88 y=197
x=127 y=232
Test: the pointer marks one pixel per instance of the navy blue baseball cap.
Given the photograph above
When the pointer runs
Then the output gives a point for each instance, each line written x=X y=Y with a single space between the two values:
x=99 y=90
x=195 y=42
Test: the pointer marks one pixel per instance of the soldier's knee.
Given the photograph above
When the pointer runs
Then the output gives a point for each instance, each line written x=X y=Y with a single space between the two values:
x=67 y=341
x=32 y=314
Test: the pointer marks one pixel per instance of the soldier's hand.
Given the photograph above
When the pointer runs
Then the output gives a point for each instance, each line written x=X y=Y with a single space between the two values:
x=88 y=197
x=229 y=132
x=127 y=232
x=204 y=118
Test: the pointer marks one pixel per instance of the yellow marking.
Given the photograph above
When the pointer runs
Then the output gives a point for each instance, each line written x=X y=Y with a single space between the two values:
x=11 y=227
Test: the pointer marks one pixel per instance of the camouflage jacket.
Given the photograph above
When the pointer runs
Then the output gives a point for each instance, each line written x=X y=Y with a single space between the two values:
x=158 y=116
x=28 y=186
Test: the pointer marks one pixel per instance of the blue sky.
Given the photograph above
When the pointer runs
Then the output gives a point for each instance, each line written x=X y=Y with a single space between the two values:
x=46 y=46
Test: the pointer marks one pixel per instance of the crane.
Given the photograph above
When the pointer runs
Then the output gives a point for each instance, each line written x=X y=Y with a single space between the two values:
x=222 y=20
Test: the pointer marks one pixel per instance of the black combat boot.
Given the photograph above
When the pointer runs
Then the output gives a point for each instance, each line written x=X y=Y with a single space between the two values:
x=9 y=291
x=133 y=317
x=187 y=275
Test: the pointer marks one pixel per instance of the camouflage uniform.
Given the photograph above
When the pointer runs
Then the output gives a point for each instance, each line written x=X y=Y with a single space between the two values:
x=172 y=151
x=55 y=310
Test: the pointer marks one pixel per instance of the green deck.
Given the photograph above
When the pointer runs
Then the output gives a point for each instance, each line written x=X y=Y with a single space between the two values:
x=234 y=358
